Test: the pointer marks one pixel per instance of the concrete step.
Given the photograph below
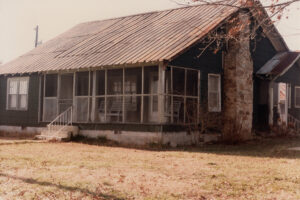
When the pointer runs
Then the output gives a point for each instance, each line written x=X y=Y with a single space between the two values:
x=47 y=137
x=57 y=134
x=72 y=129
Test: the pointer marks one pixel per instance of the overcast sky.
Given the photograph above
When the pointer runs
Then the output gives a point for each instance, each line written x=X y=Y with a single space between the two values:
x=19 y=17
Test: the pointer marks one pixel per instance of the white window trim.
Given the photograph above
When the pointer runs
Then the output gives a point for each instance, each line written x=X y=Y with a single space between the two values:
x=218 y=109
x=18 y=93
x=295 y=104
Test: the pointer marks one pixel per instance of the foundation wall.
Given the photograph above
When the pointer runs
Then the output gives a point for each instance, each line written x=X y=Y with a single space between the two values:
x=18 y=131
x=140 y=138
x=172 y=139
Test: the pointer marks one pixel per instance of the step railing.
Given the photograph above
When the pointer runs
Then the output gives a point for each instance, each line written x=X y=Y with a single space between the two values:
x=294 y=122
x=61 y=121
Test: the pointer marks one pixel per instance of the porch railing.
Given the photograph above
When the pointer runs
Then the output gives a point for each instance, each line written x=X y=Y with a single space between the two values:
x=292 y=121
x=62 y=121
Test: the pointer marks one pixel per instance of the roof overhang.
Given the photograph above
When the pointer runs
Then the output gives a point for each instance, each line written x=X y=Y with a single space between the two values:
x=278 y=65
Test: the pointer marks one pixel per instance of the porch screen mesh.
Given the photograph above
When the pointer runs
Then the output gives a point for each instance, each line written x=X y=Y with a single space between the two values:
x=82 y=109
x=50 y=109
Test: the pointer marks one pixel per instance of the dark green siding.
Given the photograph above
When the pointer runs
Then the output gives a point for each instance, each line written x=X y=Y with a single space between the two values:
x=262 y=51
x=208 y=62
x=20 y=118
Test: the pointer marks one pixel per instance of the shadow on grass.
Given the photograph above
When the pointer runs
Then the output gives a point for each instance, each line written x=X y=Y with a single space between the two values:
x=266 y=147
x=63 y=187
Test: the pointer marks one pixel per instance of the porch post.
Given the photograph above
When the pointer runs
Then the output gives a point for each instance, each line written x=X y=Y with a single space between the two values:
x=142 y=96
x=105 y=97
x=89 y=95
x=198 y=98
x=58 y=92
x=44 y=94
x=40 y=97
x=123 y=95
x=93 y=111
x=161 y=86
x=74 y=118
x=286 y=107
x=271 y=103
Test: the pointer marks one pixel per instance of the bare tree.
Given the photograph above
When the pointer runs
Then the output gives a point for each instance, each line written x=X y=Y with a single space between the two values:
x=261 y=15
x=239 y=30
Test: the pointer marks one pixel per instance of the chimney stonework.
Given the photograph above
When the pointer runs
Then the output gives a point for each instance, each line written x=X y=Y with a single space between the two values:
x=238 y=84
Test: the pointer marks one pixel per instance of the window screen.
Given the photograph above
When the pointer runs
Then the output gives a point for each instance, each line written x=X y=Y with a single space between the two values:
x=51 y=85
x=82 y=83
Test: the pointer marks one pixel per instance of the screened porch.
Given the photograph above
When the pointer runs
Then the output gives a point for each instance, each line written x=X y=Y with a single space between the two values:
x=149 y=94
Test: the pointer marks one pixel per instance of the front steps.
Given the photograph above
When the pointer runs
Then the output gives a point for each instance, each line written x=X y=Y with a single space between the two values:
x=58 y=133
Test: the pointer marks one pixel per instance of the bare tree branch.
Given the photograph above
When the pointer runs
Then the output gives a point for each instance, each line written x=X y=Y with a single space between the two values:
x=261 y=16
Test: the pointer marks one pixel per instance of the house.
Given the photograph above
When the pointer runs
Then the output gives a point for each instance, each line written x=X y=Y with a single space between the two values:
x=152 y=78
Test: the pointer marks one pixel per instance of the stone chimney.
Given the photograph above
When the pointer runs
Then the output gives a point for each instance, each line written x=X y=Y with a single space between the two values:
x=238 y=82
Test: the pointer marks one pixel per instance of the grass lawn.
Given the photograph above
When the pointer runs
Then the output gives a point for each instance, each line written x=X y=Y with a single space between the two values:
x=262 y=170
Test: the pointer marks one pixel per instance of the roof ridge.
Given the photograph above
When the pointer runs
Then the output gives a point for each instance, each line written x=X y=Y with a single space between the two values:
x=149 y=12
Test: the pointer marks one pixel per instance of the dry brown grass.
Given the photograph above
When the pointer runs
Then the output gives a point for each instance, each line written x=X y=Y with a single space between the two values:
x=263 y=170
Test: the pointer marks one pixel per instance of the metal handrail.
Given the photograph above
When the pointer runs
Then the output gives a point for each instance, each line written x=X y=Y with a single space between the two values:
x=64 y=119
x=295 y=121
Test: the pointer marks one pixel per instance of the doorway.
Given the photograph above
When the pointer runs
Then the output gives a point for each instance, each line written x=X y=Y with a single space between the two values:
x=283 y=102
x=65 y=97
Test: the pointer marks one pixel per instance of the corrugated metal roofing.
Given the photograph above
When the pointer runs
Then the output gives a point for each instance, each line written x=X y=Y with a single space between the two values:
x=142 y=38
x=279 y=64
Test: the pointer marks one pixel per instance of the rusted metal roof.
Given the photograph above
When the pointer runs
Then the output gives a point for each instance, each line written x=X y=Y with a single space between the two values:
x=279 y=64
x=143 y=38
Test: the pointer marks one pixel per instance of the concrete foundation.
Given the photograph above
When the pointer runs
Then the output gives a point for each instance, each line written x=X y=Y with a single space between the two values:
x=172 y=139
x=140 y=138
x=22 y=131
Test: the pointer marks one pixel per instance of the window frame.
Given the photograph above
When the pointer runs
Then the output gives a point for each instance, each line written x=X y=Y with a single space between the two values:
x=219 y=107
x=295 y=98
x=18 y=79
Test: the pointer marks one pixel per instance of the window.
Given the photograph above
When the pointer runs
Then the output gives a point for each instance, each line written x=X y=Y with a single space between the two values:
x=17 y=93
x=297 y=96
x=214 y=93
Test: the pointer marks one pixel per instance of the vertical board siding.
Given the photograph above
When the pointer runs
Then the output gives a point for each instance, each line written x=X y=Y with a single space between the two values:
x=262 y=51
x=20 y=118
x=208 y=62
